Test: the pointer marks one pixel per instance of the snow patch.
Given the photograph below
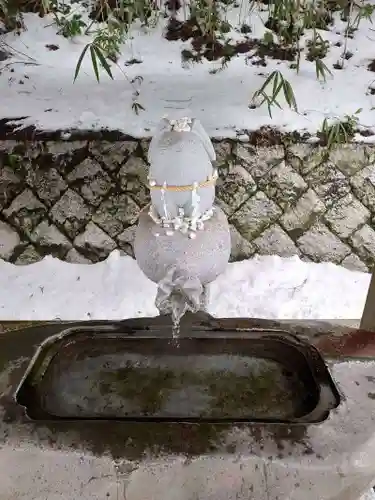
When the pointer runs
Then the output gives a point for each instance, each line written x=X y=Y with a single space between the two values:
x=263 y=287
x=42 y=87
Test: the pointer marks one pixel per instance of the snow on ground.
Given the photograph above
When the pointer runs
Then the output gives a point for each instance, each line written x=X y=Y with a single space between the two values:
x=38 y=82
x=263 y=287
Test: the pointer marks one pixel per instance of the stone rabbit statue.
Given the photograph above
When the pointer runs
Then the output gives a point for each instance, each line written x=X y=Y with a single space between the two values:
x=182 y=242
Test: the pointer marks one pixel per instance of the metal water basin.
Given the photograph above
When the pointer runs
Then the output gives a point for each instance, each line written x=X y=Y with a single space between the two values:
x=107 y=373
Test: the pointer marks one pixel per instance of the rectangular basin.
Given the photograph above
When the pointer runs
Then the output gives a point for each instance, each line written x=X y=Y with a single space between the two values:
x=101 y=374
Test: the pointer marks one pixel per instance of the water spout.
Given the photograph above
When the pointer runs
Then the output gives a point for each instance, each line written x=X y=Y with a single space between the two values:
x=177 y=294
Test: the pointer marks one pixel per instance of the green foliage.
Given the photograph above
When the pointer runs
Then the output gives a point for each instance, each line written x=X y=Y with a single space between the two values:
x=98 y=61
x=70 y=27
x=338 y=132
x=274 y=87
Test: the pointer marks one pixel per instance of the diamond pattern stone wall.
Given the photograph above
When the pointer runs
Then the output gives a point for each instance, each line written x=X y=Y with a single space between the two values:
x=80 y=200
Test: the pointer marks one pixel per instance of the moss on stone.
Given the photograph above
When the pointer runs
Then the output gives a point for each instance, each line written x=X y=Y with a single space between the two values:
x=228 y=394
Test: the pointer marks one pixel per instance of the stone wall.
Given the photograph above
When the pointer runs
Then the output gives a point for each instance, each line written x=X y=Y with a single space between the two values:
x=79 y=200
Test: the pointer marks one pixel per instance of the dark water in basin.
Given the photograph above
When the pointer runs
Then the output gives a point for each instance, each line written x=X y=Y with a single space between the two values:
x=155 y=378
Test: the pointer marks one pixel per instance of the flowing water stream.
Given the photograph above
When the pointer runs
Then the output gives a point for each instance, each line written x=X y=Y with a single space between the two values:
x=178 y=309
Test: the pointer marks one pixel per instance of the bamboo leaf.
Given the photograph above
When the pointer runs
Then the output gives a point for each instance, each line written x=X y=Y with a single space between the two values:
x=103 y=61
x=94 y=62
x=79 y=62
x=269 y=109
x=275 y=82
x=267 y=82
x=331 y=136
x=317 y=68
x=289 y=95
x=277 y=92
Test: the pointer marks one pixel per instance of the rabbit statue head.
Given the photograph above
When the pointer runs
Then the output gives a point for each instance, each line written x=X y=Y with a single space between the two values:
x=181 y=178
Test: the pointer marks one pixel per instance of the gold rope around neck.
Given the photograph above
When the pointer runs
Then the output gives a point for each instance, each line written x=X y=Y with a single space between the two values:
x=188 y=187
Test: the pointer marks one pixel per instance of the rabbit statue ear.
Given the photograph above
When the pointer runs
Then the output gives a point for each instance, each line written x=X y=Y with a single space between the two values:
x=198 y=129
x=162 y=127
